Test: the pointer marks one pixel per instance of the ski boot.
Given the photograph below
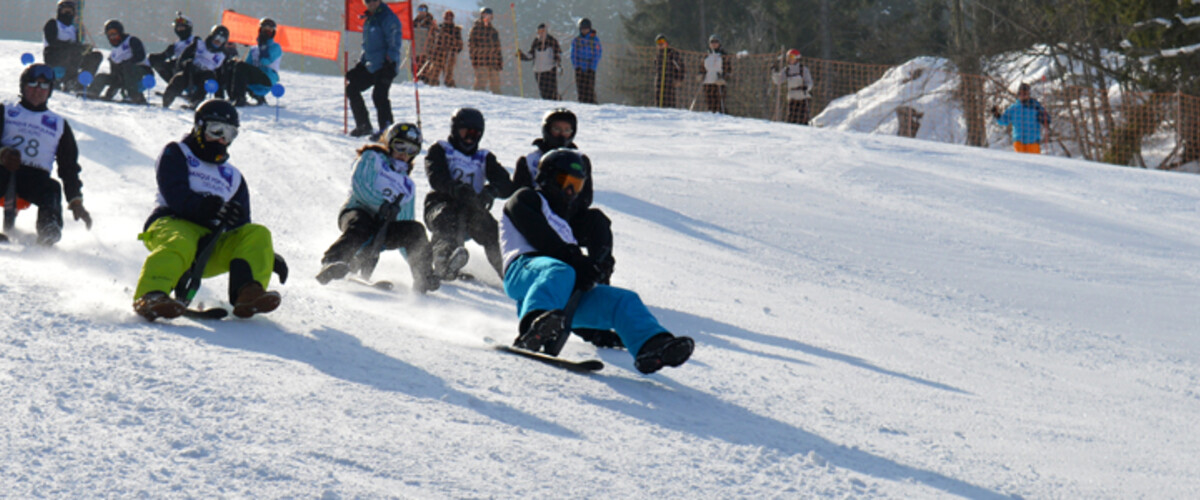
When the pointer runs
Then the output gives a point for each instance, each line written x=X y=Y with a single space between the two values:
x=662 y=350
x=253 y=299
x=154 y=305
x=543 y=329
x=333 y=271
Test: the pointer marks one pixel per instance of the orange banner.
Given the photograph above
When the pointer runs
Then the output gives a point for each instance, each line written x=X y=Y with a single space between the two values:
x=243 y=29
x=355 y=11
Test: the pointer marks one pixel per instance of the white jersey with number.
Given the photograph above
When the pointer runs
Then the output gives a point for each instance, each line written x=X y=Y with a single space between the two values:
x=66 y=33
x=206 y=59
x=208 y=178
x=34 y=133
x=513 y=244
x=466 y=169
x=124 y=52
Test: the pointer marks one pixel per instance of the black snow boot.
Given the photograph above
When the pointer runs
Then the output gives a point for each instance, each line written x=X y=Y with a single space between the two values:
x=662 y=350
x=541 y=328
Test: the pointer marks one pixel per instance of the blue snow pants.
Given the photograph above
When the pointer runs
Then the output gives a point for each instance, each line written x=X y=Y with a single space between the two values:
x=545 y=283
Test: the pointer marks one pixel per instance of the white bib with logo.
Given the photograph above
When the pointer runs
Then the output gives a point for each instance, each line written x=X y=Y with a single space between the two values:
x=34 y=133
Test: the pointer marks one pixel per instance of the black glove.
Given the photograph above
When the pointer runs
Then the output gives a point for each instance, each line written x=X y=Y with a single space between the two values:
x=281 y=268
x=231 y=213
x=487 y=197
x=606 y=269
x=995 y=112
x=463 y=192
x=387 y=211
x=210 y=206
x=586 y=269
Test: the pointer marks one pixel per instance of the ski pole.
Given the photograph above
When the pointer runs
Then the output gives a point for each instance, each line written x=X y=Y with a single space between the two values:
x=10 y=203
x=369 y=256
x=517 y=41
x=189 y=284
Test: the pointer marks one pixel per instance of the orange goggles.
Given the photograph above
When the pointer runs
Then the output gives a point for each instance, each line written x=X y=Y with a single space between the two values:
x=566 y=181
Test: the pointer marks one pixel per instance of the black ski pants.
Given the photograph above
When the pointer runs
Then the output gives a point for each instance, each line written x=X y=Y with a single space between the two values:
x=72 y=60
x=547 y=84
x=358 y=80
x=360 y=226
x=798 y=111
x=124 y=76
x=244 y=75
x=37 y=187
x=452 y=222
x=585 y=85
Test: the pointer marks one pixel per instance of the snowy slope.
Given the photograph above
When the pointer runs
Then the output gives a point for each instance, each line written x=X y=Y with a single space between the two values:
x=876 y=317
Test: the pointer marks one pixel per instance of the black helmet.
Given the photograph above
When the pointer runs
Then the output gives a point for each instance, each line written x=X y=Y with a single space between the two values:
x=403 y=134
x=714 y=38
x=113 y=24
x=267 y=22
x=183 y=26
x=585 y=23
x=469 y=118
x=219 y=31
x=561 y=176
x=64 y=17
x=34 y=72
x=216 y=110
x=557 y=115
x=485 y=11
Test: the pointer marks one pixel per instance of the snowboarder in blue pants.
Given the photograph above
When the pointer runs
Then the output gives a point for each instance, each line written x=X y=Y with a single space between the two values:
x=544 y=264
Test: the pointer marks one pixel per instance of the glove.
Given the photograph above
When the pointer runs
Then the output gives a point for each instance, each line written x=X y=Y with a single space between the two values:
x=210 y=207
x=606 y=269
x=995 y=112
x=586 y=270
x=486 y=197
x=10 y=159
x=281 y=268
x=387 y=212
x=462 y=192
x=231 y=213
x=79 y=212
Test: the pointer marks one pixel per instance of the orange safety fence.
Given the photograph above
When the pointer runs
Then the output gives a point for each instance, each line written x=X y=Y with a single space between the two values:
x=324 y=44
x=356 y=13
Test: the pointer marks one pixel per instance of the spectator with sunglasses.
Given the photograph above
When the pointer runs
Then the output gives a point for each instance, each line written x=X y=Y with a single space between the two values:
x=33 y=139
x=198 y=64
x=464 y=180
x=199 y=193
x=382 y=192
x=64 y=48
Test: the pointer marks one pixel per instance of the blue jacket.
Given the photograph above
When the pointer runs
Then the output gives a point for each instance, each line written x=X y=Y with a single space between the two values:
x=377 y=179
x=586 y=51
x=1027 y=119
x=382 y=34
x=266 y=58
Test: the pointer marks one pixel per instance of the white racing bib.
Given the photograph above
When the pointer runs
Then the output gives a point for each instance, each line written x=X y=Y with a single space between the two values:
x=209 y=178
x=466 y=169
x=34 y=133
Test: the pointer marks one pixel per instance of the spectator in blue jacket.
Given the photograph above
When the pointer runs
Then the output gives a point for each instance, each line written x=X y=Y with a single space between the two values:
x=260 y=71
x=585 y=56
x=378 y=66
x=1027 y=117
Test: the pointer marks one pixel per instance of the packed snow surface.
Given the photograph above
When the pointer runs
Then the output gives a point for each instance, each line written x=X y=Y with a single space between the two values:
x=875 y=317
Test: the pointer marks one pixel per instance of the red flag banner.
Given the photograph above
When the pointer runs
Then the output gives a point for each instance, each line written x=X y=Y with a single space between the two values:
x=307 y=42
x=356 y=11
